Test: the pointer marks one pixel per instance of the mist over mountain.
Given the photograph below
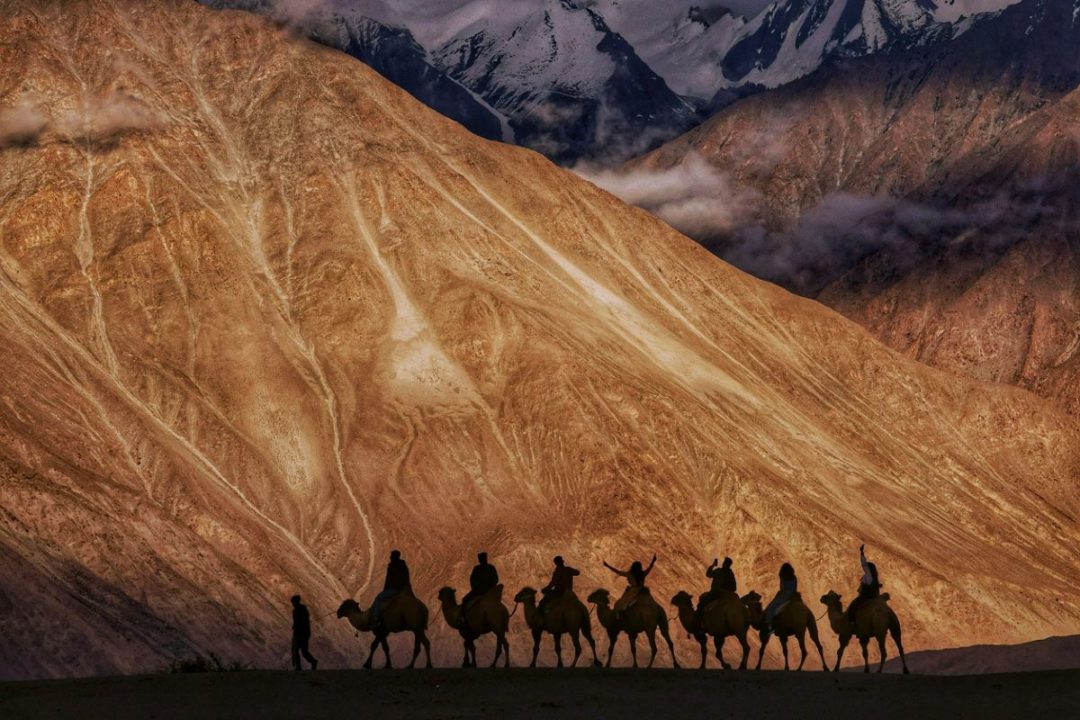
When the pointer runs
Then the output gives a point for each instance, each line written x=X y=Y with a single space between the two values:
x=929 y=194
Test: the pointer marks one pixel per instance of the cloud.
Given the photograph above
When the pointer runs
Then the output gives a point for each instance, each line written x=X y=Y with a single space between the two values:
x=105 y=119
x=693 y=197
x=22 y=124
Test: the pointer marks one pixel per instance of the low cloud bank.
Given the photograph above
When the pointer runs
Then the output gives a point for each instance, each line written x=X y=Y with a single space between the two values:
x=694 y=197
x=22 y=124
x=828 y=239
x=102 y=120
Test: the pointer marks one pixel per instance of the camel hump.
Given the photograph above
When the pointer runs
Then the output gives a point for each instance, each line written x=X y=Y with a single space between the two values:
x=884 y=597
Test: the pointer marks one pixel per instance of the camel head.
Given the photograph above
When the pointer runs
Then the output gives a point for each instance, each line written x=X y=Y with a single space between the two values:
x=682 y=600
x=751 y=599
x=600 y=597
x=448 y=595
x=526 y=594
x=347 y=607
x=831 y=599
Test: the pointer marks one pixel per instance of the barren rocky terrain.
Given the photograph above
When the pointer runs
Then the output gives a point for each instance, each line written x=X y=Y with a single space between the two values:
x=929 y=195
x=265 y=317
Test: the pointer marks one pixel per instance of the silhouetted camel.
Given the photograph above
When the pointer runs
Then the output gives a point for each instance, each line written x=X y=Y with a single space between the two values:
x=644 y=616
x=486 y=615
x=404 y=613
x=793 y=619
x=566 y=614
x=874 y=619
x=725 y=615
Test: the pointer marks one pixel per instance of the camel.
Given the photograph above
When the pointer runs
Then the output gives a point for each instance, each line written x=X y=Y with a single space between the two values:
x=644 y=616
x=794 y=618
x=565 y=615
x=403 y=613
x=874 y=619
x=725 y=615
x=486 y=615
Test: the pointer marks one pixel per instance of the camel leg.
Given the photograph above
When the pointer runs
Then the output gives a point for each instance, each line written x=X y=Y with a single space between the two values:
x=558 y=650
x=745 y=649
x=844 y=640
x=498 y=649
x=652 y=648
x=783 y=646
x=812 y=627
x=587 y=632
x=703 y=641
x=633 y=646
x=415 y=650
x=881 y=651
x=470 y=654
x=894 y=630
x=537 y=635
x=506 y=651
x=718 y=641
x=576 y=640
x=427 y=647
x=386 y=653
x=371 y=653
x=667 y=638
x=613 y=637
x=865 y=654
x=763 y=641
x=802 y=649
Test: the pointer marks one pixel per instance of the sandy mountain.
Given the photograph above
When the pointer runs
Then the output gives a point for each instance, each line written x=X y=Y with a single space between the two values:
x=266 y=317
x=929 y=195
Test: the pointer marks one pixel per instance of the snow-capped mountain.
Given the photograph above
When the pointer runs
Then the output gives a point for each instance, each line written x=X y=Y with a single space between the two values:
x=603 y=80
x=569 y=85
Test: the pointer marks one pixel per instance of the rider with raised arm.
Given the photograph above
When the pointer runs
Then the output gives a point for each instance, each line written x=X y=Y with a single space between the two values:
x=869 y=585
x=635 y=581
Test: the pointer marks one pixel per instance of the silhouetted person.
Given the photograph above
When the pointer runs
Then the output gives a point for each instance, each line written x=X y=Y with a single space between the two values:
x=301 y=634
x=562 y=582
x=789 y=585
x=483 y=578
x=723 y=580
x=869 y=586
x=635 y=581
x=397 y=581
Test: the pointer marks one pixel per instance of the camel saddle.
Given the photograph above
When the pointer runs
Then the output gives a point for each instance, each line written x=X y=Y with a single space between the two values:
x=497 y=591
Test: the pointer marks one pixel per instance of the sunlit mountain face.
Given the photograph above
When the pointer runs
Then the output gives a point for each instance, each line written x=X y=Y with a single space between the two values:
x=929 y=195
x=267 y=317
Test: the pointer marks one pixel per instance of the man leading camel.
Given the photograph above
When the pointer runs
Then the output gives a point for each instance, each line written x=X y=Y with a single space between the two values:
x=723 y=581
x=869 y=586
x=397 y=581
x=301 y=634
x=562 y=583
x=635 y=582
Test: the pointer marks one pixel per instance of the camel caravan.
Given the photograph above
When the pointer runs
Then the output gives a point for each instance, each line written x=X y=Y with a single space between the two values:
x=556 y=610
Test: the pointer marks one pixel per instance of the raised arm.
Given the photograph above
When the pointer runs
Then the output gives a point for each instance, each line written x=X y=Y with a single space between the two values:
x=867 y=578
x=617 y=571
x=651 y=563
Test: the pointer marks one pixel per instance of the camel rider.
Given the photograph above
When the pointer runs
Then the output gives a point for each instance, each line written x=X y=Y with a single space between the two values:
x=482 y=580
x=789 y=585
x=869 y=586
x=635 y=581
x=723 y=581
x=562 y=583
x=397 y=581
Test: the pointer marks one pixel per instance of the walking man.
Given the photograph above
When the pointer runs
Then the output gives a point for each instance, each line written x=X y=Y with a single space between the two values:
x=301 y=634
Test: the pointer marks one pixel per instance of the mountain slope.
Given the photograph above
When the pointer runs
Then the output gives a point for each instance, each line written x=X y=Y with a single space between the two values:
x=929 y=195
x=267 y=317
